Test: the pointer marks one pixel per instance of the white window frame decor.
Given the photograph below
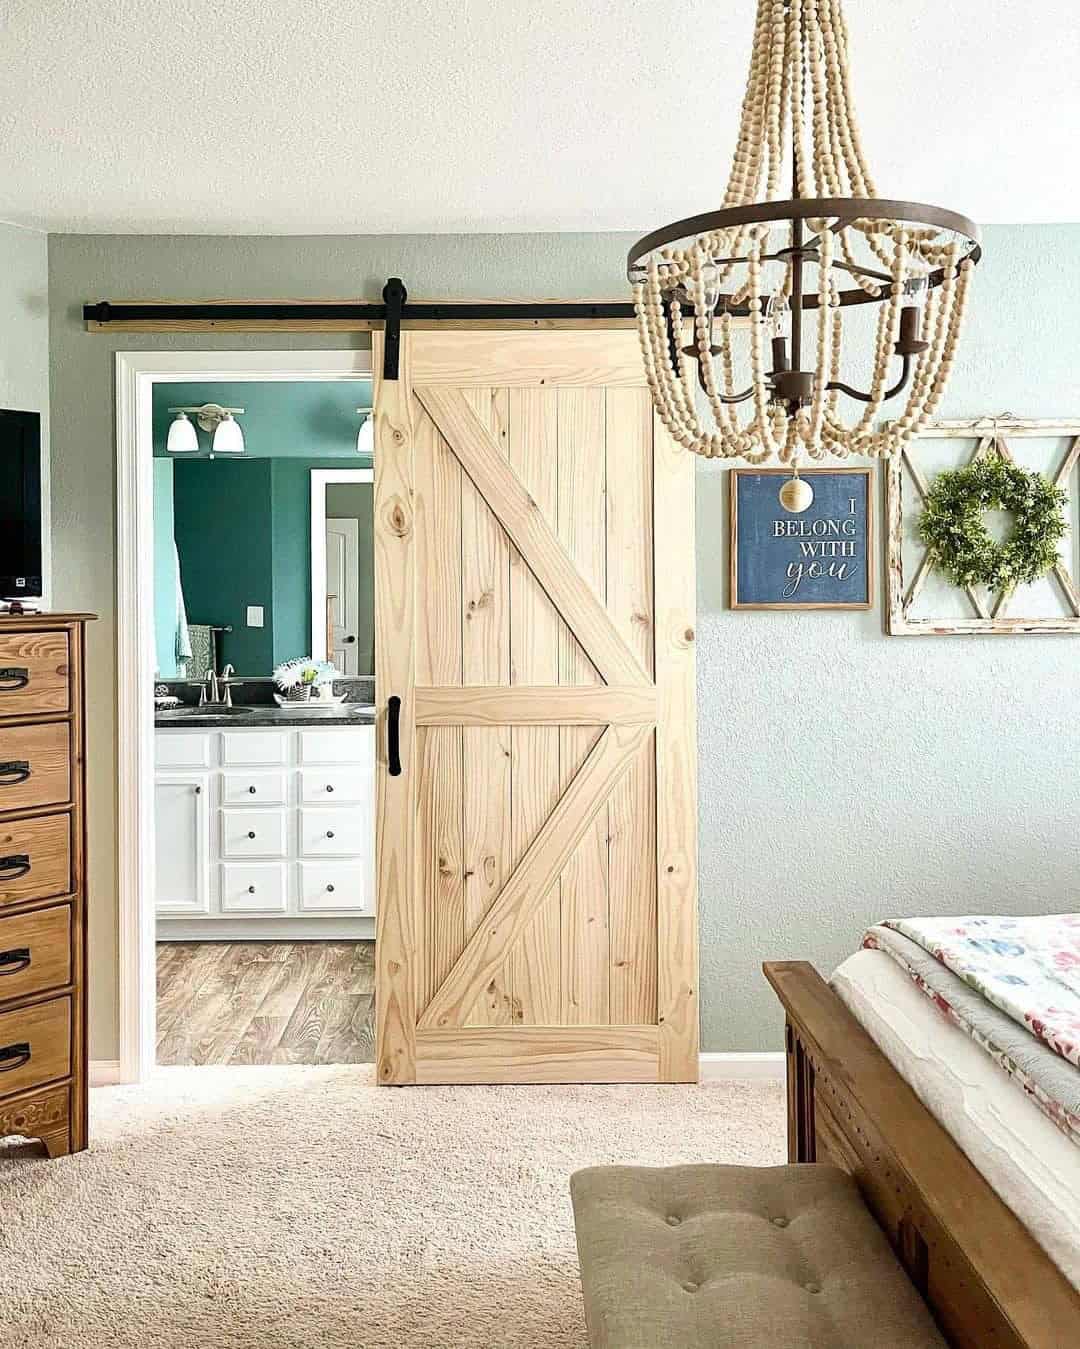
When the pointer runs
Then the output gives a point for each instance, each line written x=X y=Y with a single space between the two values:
x=987 y=435
x=136 y=374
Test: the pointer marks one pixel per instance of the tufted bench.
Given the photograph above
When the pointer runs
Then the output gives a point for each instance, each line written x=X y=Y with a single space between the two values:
x=779 y=1257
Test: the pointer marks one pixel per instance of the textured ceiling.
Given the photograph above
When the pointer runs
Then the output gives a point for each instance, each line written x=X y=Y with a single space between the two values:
x=351 y=117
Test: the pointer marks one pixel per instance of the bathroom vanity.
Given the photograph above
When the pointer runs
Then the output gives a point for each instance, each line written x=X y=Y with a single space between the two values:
x=265 y=824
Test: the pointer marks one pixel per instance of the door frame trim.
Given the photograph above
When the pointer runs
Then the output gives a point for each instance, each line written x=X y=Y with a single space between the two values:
x=321 y=478
x=136 y=373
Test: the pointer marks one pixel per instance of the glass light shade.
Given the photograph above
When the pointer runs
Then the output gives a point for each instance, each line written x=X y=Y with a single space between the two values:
x=228 y=438
x=916 y=289
x=365 y=439
x=777 y=316
x=183 y=438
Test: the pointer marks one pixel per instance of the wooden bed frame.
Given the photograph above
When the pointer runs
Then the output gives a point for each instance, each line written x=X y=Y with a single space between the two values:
x=987 y=1281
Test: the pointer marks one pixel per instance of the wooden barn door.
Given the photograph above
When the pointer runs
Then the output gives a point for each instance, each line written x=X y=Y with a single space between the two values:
x=534 y=553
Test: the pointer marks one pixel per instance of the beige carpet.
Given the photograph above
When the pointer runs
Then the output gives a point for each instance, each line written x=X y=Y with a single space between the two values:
x=304 y=1208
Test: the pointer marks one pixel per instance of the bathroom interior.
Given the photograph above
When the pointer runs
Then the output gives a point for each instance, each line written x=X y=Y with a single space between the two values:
x=264 y=896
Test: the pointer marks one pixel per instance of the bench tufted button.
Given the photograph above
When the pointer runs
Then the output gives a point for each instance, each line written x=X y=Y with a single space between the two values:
x=689 y=1286
x=780 y=1222
x=812 y=1287
x=672 y=1221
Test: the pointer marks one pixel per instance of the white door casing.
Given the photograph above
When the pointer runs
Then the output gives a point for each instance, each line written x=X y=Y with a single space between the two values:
x=343 y=593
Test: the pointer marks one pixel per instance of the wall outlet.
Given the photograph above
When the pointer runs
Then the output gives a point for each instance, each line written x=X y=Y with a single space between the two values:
x=254 y=615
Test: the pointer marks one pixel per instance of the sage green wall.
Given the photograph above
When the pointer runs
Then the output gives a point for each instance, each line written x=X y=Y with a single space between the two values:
x=24 y=330
x=844 y=775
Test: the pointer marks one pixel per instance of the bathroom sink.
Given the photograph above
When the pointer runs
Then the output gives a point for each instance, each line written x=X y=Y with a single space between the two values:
x=210 y=710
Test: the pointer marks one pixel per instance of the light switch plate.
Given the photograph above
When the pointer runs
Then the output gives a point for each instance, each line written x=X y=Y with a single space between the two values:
x=254 y=615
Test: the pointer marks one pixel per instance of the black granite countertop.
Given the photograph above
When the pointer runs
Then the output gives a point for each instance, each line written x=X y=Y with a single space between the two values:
x=345 y=714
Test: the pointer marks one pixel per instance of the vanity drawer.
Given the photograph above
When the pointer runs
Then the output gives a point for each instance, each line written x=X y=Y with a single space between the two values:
x=335 y=831
x=35 y=1045
x=35 y=766
x=34 y=673
x=255 y=747
x=337 y=745
x=254 y=887
x=254 y=833
x=328 y=786
x=254 y=789
x=35 y=858
x=35 y=952
x=329 y=887
x=182 y=749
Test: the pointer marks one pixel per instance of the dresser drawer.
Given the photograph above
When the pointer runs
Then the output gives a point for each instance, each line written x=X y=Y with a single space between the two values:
x=35 y=766
x=254 y=789
x=35 y=858
x=35 y=952
x=328 y=786
x=330 y=887
x=35 y=1045
x=182 y=749
x=34 y=673
x=254 y=833
x=254 y=887
x=337 y=831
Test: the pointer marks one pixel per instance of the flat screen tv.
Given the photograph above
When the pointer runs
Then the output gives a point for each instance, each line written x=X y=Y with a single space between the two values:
x=20 y=505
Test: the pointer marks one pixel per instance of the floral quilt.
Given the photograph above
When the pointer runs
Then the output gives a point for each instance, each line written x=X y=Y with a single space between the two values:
x=1029 y=968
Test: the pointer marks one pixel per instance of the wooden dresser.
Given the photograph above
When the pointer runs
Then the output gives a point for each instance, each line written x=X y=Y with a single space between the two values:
x=42 y=881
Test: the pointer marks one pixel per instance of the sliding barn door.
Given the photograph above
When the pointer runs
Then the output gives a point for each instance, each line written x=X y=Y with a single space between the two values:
x=537 y=825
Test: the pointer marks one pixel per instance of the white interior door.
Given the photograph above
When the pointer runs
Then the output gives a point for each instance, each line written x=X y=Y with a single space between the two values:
x=343 y=593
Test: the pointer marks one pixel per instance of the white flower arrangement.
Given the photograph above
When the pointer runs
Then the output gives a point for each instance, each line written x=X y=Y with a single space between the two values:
x=303 y=672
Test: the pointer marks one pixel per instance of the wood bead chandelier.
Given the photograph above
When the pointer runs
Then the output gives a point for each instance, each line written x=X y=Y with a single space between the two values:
x=788 y=269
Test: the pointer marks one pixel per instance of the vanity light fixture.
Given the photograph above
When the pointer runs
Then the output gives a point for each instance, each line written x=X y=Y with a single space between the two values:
x=365 y=438
x=212 y=418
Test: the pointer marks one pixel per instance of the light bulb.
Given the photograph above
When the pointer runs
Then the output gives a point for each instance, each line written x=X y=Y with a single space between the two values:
x=183 y=438
x=228 y=438
x=915 y=289
x=365 y=438
x=777 y=316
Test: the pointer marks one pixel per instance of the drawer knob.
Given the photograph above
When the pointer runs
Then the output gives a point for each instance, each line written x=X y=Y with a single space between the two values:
x=251 y=889
x=14 y=1056
x=251 y=833
x=13 y=677
x=329 y=833
x=15 y=961
x=11 y=868
x=13 y=772
x=329 y=787
x=330 y=889
x=251 y=790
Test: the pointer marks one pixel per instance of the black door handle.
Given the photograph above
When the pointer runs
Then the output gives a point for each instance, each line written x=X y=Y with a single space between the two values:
x=13 y=677
x=393 y=736
x=13 y=772
x=14 y=961
x=14 y=1056
x=350 y=640
x=11 y=868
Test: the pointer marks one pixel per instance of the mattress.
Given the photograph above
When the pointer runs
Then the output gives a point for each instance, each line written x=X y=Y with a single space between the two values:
x=1029 y=1162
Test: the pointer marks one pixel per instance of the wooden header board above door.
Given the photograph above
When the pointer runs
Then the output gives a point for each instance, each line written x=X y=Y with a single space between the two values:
x=537 y=852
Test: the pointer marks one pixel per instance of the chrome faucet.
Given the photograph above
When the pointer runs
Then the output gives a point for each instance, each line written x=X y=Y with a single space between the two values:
x=210 y=693
x=225 y=682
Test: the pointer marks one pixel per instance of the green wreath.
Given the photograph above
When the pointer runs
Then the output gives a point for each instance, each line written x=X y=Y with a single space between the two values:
x=952 y=527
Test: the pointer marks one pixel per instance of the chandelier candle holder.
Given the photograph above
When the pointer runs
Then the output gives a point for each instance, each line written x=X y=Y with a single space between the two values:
x=792 y=268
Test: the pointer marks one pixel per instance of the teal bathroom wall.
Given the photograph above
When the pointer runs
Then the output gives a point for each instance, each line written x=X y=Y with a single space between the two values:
x=164 y=570
x=224 y=535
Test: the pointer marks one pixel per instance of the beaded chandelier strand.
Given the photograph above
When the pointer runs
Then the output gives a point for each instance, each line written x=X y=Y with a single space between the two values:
x=698 y=284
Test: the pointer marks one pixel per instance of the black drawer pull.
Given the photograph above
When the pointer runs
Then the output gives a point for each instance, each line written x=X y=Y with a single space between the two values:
x=251 y=833
x=330 y=889
x=14 y=1056
x=251 y=889
x=13 y=677
x=251 y=790
x=14 y=961
x=11 y=868
x=13 y=772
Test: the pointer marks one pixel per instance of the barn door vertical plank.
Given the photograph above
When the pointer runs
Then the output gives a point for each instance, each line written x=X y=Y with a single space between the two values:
x=676 y=758
x=485 y=565
x=584 y=884
x=440 y=849
x=395 y=578
x=631 y=811
x=535 y=972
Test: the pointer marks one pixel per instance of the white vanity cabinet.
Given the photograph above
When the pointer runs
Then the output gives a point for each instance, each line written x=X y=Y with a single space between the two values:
x=265 y=832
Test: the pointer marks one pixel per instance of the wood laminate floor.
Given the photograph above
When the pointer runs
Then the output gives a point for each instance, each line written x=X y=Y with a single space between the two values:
x=265 y=1002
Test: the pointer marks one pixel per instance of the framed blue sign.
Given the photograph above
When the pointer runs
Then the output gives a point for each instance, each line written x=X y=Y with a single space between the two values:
x=818 y=558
